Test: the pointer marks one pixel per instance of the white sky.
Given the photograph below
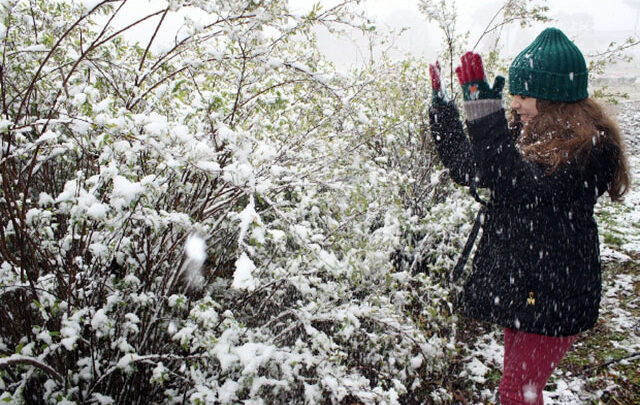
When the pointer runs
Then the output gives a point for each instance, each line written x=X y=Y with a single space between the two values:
x=592 y=24
x=611 y=14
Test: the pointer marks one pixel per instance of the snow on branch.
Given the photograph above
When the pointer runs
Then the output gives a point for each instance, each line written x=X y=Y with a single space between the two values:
x=19 y=359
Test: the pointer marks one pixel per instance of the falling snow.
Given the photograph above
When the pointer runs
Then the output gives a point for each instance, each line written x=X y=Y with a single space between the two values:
x=307 y=197
x=567 y=388
x=195 y=250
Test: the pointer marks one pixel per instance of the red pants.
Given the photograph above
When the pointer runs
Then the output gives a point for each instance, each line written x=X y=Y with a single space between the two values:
x=529 y=360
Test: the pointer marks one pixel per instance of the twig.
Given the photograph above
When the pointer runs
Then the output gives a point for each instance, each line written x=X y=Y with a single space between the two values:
x=58 y=43
x=146 y=51
x=18 y=359
x=486 y=29
x=610 y=362
x=610 y=50
x=147 y=359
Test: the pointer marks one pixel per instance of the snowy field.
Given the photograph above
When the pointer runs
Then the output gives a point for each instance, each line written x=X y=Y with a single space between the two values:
x=602 y=367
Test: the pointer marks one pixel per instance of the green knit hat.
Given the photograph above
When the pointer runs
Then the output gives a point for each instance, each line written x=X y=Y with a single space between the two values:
x=551 y=68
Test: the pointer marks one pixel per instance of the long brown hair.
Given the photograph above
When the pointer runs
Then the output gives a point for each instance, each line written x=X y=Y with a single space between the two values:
x=565 y=131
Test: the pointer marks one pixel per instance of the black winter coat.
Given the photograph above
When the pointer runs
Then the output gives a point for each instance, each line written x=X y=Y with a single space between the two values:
x=537 y=265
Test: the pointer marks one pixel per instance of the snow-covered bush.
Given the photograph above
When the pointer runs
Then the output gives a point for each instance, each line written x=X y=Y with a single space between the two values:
x=227 y=219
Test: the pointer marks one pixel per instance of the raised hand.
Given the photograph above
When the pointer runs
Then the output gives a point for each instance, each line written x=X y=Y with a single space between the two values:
x=438 y=95
x=473 y=79
x=434 y=72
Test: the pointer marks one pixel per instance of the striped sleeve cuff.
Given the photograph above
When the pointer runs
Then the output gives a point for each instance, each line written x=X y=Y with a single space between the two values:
x=477 y=109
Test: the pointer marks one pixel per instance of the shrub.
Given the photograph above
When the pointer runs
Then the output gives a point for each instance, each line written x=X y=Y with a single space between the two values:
x=223 y=219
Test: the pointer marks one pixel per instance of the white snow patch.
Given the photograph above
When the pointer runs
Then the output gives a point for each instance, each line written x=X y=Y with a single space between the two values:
x=47 y=136
x=247 y=217
x=227 y=393
x=416 y=362
x=157 y=125
x=100 y=323
x=45 y=200
x=103 y=399
x=97 y=211
x=208 y=166
x=252 y=355
x=79 y=99
x=477 y=370
x=243 y=278
x=126 y=189
x=31 y=215
x=99 y=250
x=126 y=360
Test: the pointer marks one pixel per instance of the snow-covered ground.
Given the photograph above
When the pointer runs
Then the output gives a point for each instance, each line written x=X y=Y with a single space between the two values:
x=620 y=250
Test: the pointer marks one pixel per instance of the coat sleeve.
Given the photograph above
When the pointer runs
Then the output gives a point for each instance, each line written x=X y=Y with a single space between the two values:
x=452 y=144
x=501 y=168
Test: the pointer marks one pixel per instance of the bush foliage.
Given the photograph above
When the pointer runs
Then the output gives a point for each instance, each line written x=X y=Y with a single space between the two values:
x=222 y=219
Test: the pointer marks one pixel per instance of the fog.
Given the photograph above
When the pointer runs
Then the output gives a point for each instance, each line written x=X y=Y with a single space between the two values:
x=592 y=24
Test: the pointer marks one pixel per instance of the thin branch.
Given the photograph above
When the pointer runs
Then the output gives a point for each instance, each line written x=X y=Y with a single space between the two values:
x=18 y=359
x=486 y=29
x=620 y=48
x=146 y=51
x=55 y=46
x=152 y=357
x=610 y=362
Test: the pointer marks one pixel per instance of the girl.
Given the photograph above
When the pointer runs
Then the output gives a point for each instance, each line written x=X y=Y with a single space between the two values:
x=536 y=271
